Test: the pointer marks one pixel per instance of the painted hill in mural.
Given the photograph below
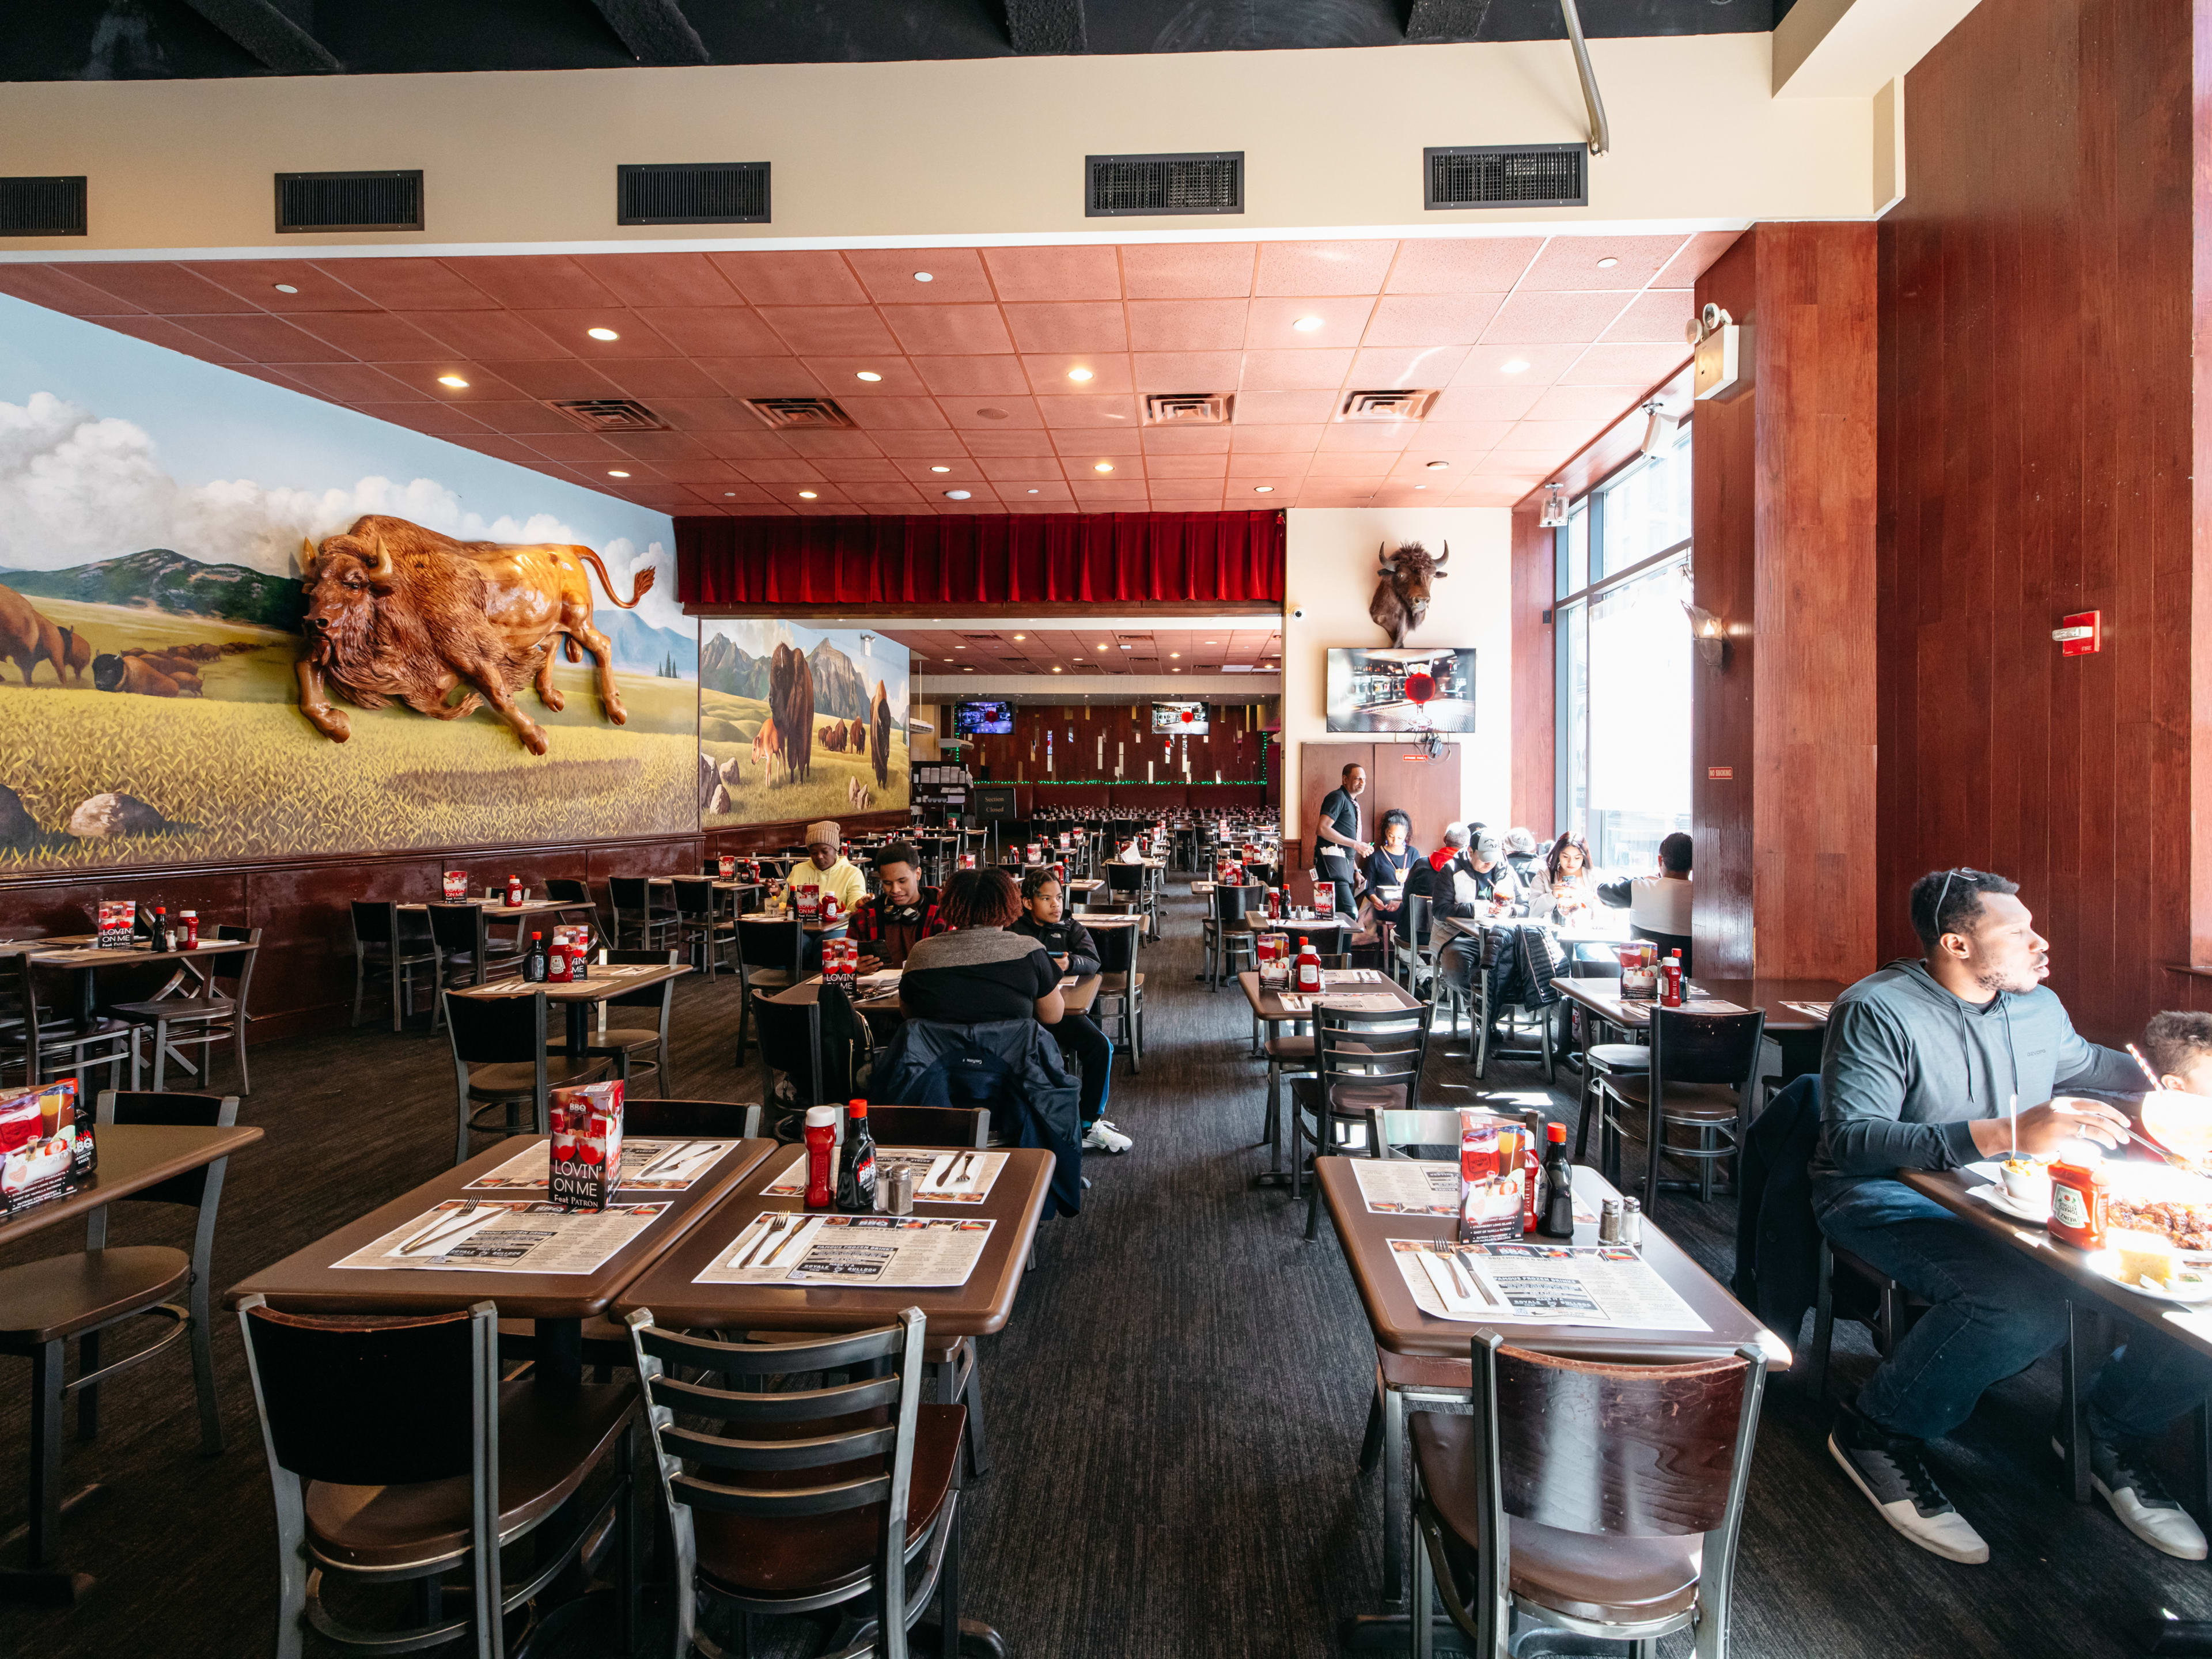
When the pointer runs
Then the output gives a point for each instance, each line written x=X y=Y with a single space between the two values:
x=839 y=687
x=726 y=667
x=641 y=648
x=160 y=579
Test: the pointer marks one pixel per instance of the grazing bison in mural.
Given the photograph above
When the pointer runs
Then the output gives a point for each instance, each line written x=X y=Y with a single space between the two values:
x=833 y=736
x=791 y=706
x=1401 y=598
x=76 y=654
x=767 y=751
x=399 y=613
x=859 y=741
x=25 y=635
x=879 y=716
x=147 y=676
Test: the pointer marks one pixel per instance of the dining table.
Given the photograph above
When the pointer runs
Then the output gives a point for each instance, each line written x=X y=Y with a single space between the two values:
x=83 y=958
x=1797 y=1010
x=577 y=998
x=132 y=1157
x=1270 y=1014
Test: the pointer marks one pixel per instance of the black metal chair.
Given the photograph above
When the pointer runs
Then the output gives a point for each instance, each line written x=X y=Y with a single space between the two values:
x=639 y=923
x=702 y=929
x=1227 y=934
x=1132 y=881
x=82 y=1295
x=768 y=962
x=40 y=1045
x=861 y=1470
x=394 y=942
x=501 y=1061
x=577 y=905
x=1415 y=956
x=464 y=953
x=1488 y=1010
x=1121 y=989
x=636 y=1050
x=1363 y=1062
x=1703 y=1075
x=398 y=1457
x=202 y=1022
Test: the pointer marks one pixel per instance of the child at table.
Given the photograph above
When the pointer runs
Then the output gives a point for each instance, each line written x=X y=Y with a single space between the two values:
x=2180 y=1045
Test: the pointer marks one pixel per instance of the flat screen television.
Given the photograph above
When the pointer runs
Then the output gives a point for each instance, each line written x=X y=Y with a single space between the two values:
x=983 y=720
x=1185 y=719
x=1415 y=688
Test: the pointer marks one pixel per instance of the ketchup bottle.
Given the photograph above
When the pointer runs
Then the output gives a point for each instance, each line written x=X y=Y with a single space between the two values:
x=821 y=1156
x=514 y=890
x=1670 y=982
x=1308 y=967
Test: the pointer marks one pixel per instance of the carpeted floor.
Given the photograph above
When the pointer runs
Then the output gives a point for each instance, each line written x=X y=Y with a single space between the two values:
x=1175 y=1408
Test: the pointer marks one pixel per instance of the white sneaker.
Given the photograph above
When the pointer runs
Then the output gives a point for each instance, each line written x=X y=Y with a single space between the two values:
x=1888 y=1469
x=2140 y=1501
x=1102 y=1137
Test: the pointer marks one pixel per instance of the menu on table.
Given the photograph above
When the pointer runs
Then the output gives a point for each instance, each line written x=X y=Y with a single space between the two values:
x=508 y=1236
x=649 y=1164
x=1546 y=1283
x=1415 y=1186
x=1331 y=977
x=892 y=1252
x=939 y=1177
x=1298 y=1002
x=1811 y=1009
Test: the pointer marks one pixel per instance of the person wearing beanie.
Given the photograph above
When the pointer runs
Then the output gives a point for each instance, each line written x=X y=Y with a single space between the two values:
x=828 y=869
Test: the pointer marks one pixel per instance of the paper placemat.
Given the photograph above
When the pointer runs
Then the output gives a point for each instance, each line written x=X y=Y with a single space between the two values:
x=1539 y=1283
x=1811 y=1009
x=508 y=1236
x=1415 y=1186
x=648 y=1165
x=886 y=1251
x=1331 y=977
x=939 y=1176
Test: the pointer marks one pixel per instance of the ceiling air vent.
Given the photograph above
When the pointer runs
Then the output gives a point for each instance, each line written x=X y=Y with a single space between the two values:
x=1189 y=408
x=348 y=201
x=1504 y=175
x=692 y=193
x=610 y=415
x=42 y=207
x=800 y=414
x=1386 y=405
x=1212 y=182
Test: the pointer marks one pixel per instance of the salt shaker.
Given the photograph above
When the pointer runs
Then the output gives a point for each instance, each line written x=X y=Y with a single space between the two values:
x=1632 y=1223
x=898 y=1191
x=1609 y=1222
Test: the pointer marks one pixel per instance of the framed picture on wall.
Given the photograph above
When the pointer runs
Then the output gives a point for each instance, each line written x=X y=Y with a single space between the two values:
x=1409 y=688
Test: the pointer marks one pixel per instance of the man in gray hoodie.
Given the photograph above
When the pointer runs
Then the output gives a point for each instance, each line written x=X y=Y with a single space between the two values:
x=1923 y=1065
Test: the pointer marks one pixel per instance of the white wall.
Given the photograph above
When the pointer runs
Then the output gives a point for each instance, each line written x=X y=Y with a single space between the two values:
x=1331 y=572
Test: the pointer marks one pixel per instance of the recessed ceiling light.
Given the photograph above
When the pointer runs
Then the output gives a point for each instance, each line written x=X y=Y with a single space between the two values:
x=1259 y=490
x=1513 y=366
x=923 y=276
x=1055 y=667
x=967 y=671
x=284 y=288
x=1306 y=325
x=1021 y=636
x=1033 y=492
x=941 y=469
x=1438 y=466
x=617 y=472
x=867 y=374
x=1607 y=263
x=1079 y=374
x=993 y=413
x=1102 y=645
x=955 y=495
x=1175 y=671
x=729 y=495
x=603 y=334
x=1175 y=653
x=806 y=495
x=1101 y=467
x=453 y=380
x=1128 y=648
x=1213 y=641
x=957 y=648
x=1420 y=486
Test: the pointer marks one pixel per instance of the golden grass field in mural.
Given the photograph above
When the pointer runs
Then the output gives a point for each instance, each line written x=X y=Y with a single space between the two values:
x=727 y=725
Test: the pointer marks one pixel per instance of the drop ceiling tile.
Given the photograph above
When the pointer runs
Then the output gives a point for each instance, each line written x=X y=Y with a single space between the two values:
x=1473 y=264
x=831 y=331
x=1186 y=371
x=1696 y=258
x=535 y=282
x=1538 y=317
x=699 y=472
x=406 y=284
x=960 y=470
x=558 y=377
x=1296 y=371
x=1047 y=374
x=1453 y=438
x=1272 y=325
x=842 y=376
x=483 y=387
x=1596 y=405
x=636 y=338
x=1553 y=440
x=950 y=330
x=730 y=331
x=1093 y=325
x=859 y=469
x=1185 y=440
x=489 y=336
x=255 y=282
x=657 y=279
x=758 y=445
x=501 y=449
x=1177 y=501
x=1571 y=262
x=1495 y=492
x=351 y=383
x=56 y=290
x=1187 y=466
x=661 y=446
x=955 y=274
x=1110 y=494
x=776 y=472
x=1309 y=268
x=259 y=338
x=576 y=448
x=1291 y=438
x=1484 y=403
x=1626 y=365
x=161 y=287
x=1023 y=470
x=715 y=414
x=1405 y=367
x=519 y=416
x=821 y=445
x=1187 y=326
x=1005 y=413
x=1250 y=468
x=1300 y=408
x=371 y=336
x=1657 y=316
x=883 y=494
x=972 y=377
x=999 y=439
x=1516 y=366
x=652 y=379
x=1188 y=271
x=1381 y=439
x=1054 y=273
x=1084 y=445
x=792 y=278
x=894 y=414
x=1106 y=409
x=1431 y=320
x=439 y=420
x=762 y=377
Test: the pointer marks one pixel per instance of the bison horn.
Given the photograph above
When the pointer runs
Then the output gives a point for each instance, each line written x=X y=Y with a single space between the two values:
x=379 y=567
x=307 y=557
x=1442 y=556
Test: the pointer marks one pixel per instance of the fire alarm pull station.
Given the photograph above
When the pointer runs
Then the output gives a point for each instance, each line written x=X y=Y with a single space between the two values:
x=2080 y=634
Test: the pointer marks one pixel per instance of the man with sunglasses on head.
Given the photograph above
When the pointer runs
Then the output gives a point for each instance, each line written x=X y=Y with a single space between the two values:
x=1923 y=1062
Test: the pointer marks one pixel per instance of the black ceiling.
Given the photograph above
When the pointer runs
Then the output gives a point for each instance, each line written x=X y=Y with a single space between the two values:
x=142 y=40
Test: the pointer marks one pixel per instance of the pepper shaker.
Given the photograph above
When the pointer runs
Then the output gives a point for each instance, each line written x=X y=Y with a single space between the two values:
x=898 y=1191
x=1609 y=1222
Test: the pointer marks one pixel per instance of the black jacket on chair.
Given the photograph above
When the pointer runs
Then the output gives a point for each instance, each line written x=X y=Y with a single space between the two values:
x=1778 y=1244
x=1010 y=1065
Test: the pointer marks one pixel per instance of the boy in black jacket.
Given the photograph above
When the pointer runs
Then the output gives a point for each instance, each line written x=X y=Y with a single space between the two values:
x=1072 y=948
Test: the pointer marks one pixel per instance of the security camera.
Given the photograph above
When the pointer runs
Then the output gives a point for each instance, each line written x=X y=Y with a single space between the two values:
x=1298 y=614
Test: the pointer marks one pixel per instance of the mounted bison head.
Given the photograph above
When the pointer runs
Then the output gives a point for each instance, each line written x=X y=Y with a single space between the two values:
x=1401 y=598
x=343 y=580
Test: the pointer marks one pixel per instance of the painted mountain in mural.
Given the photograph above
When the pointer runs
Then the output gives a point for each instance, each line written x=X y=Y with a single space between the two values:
x=838 y=687
x=641 y=648
x=160 y=579
x=726 y=667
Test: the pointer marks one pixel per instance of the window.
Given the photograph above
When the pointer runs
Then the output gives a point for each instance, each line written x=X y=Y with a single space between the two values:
x=1625 y=656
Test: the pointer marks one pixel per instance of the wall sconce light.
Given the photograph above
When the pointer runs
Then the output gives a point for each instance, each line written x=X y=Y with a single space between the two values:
x=1555 y=507
x=1711 y=632
x=1658 y=427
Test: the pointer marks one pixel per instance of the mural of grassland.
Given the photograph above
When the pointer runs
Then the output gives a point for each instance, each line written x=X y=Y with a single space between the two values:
x=819 y=760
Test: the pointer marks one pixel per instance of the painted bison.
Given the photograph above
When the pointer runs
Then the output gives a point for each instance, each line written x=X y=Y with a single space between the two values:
x=767 y=751
x=27 y=634
x=879 y=716
x=1401 y=598
x=833 y=736
x=149 y=676
x=76 y=654
x=791 y=706
x=399 y=613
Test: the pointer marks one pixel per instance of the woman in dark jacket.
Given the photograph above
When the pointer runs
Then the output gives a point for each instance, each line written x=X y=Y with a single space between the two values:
x=1074 y=952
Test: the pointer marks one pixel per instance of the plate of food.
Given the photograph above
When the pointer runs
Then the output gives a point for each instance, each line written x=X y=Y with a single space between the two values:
x=2149 y=1264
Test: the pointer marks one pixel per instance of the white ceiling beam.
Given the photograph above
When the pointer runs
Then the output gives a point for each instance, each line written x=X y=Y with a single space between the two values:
x=1853 y=48
x=1099 y=687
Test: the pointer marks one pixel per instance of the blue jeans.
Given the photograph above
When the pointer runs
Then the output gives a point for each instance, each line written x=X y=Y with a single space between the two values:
x=1995 y=1312
x=1081 y=1039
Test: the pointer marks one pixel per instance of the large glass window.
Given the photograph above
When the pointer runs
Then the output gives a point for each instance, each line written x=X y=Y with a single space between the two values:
x=1625 y=656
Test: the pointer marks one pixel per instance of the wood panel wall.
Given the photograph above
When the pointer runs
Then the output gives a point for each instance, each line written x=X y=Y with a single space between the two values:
x=1427 y=791
x=2036 y=413
x=1232 y=746
x=1536 y=677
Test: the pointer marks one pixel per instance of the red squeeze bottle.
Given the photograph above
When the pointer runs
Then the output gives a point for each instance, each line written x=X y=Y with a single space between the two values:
x=1308 y=967
x=821 y=1156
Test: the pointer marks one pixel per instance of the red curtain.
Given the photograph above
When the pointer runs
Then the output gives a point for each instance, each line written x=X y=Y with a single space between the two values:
x=1119 y=558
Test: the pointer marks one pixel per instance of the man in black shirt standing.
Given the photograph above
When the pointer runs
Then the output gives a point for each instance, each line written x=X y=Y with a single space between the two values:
x=1338 y=848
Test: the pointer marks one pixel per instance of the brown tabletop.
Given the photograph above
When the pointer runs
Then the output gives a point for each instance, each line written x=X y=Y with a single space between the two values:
x=132 y=1157
x=1076 y=996
x=1402 y=1327
x=1797 y=1033
x=500 y=910
x=730 y=884
x=306 y=1282
x=91 y=956
x=1268 y=1003
x=607 y=980
x=783 y=918
x=976 y=1308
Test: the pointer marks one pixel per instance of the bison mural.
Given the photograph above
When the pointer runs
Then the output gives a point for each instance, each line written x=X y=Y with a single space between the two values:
x=860 y=740
x=791 y=706
x=27 y=634
x=399 y=613
x=76 y=654
x=1401 y=598
x=149 y=674
x=833 y=736
x=768 y=752
x=879 y=717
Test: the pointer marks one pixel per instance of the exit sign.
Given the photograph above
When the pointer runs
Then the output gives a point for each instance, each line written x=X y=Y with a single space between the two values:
x=1720 y=774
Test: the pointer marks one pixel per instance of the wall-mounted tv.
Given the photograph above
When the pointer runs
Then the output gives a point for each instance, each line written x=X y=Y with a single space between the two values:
x=1184 y=720
x=983 y=720
x=1416 y=689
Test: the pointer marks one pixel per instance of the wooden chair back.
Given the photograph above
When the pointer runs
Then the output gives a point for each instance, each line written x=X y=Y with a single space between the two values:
x=1693 y=1048
x=955 y=1127
x=1384 y=1049
x=717 y=1119
x=199 y=1111
x=770 y=943
x=496 y=1030
x=459 y=930
x=1388 y=1129
x=695 y=899
x=649 y=996
x=1231 y=904
x=375 y=923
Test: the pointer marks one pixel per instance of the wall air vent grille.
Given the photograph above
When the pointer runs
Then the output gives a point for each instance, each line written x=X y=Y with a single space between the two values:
x=1386 y=405
x=1189 y=408
x=692 y=193
x=1505 y=176
x=348 y=201
x=800 y=414
x=1116 y=185
x=42 y=207
x=610 y=415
